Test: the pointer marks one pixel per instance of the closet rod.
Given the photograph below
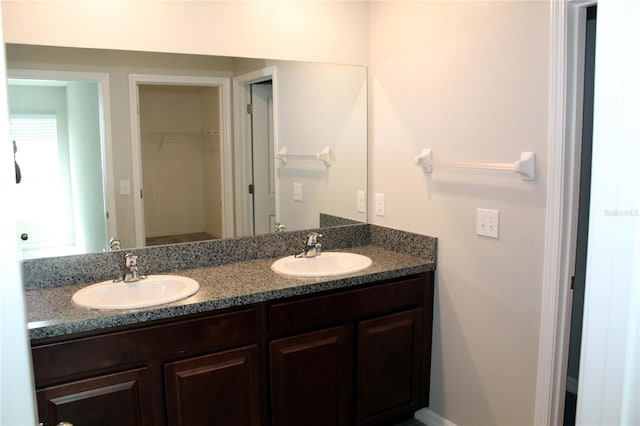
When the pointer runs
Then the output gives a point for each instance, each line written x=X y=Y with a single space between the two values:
x=324 y=156
x=525 y=166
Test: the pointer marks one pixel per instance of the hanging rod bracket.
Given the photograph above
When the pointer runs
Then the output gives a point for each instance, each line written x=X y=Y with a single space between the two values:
x=525 y=166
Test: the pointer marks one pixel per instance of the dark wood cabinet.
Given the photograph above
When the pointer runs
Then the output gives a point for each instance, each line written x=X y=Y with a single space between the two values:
x=114 y=399
x=159 y=374
x=216 y=389
x=358 y=356
x=388 y=359
x=310 y=378
x=353 y=357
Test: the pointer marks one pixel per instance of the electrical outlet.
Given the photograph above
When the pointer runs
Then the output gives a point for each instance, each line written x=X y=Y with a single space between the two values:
x=361 y=202
x=297 y=192
x=379 y=204
x=488 y=223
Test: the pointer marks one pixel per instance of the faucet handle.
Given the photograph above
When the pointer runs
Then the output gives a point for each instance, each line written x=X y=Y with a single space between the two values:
x=130 y=260
x=312 y=237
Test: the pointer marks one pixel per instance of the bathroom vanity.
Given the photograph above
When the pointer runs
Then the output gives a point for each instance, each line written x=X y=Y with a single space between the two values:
x=251 y=347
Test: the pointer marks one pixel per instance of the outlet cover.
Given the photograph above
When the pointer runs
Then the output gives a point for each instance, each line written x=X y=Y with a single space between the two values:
x=361 y=202
x=488 y=223
x=379 y=204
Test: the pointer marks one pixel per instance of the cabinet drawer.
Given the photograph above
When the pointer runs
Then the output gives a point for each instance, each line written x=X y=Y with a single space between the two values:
x=345 y=306
x=77 y=357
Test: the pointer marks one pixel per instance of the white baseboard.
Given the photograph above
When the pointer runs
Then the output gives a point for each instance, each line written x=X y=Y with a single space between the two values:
x=572 y=385
x=428 y=417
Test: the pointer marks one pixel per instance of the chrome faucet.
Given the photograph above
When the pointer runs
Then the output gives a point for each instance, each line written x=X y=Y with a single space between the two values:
x=114 y=243
x=130 y=273
x=280 y=228
x=312 y=247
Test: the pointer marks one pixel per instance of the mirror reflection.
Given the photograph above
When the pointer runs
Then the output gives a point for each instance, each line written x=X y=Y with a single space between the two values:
x=157 y=148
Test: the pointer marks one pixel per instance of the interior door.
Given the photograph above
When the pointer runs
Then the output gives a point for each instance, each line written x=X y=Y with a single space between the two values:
x=57 y=128
x=582 y=220
x=264 y=200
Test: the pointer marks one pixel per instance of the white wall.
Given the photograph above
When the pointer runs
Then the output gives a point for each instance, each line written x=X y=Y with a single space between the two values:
x=310 y=119
x=17 y=402
x=470 y=81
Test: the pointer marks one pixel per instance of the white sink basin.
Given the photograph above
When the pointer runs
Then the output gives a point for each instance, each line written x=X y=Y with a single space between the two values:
x=151 y=291
x=326 y=264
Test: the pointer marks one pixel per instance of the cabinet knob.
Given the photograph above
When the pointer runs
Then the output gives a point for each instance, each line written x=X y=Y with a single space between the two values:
x=64 y=424
x=24 y=236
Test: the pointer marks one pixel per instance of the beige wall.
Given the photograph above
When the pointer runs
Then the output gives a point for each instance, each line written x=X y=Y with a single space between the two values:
x=305 y=31
x=468 y=79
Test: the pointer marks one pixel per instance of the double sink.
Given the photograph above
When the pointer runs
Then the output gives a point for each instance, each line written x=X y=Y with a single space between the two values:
x=160 y=289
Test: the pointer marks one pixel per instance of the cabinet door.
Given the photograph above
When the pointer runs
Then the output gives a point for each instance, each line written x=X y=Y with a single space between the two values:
x=217 y=389
x=114 y=399
x=388 y=358
x=311 y=378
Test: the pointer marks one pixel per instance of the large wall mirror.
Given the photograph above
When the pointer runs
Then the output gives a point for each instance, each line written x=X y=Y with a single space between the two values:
x=159 y=148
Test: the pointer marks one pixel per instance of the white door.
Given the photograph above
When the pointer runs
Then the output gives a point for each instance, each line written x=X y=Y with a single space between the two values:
x=58 y=128
x=264 y=202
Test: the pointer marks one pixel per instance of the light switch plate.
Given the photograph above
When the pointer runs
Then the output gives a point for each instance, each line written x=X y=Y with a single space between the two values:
x=124 y=187
x=488 y=223
x=297 y=192
x=379 y=204
x=361 y=202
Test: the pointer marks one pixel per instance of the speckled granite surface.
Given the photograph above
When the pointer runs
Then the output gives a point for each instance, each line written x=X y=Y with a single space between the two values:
x=66 y=270
x=227 y=283
x=327 y=220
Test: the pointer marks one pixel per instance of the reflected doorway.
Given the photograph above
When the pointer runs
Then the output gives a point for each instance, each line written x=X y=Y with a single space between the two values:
x=59 y=129
x=180 y=189
x=256 y=141
x=181 y=167
x=263 y=189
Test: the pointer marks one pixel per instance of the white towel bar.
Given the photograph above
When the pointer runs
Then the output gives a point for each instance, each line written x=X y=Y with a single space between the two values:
x=324 y=156
x=526 y=165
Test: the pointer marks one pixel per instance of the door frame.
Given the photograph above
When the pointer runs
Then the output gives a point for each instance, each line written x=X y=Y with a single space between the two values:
x=242 y=126
x=224 y=85
x=104 y=105
x=568 y=17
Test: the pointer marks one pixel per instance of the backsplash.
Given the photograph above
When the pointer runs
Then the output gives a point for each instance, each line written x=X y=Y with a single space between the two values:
x=88 y=268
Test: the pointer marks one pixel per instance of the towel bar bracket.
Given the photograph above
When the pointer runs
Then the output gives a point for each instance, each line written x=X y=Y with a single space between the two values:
x=525 y=166
x=326 y=156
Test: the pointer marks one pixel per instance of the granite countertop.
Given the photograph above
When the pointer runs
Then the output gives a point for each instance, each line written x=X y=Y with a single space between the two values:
x=51 y=313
